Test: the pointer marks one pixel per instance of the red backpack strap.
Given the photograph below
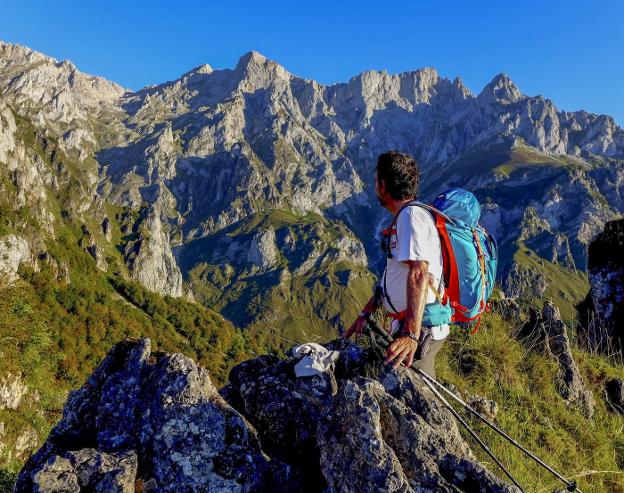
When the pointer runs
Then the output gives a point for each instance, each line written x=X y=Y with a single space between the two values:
x=449 y=264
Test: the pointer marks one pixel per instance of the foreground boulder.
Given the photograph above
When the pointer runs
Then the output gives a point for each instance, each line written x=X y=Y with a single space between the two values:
x=150 y=422
x=153 y=422
x=614 y=389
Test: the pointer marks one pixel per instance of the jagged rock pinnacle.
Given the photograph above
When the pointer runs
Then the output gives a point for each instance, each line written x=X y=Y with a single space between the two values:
x=501 y=89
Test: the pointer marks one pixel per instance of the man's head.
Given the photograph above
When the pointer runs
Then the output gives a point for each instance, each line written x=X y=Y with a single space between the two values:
x=396 y=179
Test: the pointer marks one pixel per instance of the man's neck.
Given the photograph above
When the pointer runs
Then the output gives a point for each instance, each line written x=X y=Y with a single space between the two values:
x=395 y=206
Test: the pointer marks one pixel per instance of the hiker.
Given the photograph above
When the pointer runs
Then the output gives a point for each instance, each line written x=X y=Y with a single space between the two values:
x=413 y=274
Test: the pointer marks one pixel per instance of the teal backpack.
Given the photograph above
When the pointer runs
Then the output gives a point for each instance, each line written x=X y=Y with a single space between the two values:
x=469 y=252
x=470 y=258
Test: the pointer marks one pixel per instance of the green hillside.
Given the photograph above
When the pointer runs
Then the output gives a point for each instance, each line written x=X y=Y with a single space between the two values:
x=53 y=333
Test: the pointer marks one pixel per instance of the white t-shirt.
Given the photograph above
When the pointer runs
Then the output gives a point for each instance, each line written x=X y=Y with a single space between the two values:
x=415 y=238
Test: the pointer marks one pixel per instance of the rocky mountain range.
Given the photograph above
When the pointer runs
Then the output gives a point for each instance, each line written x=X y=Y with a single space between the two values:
x=193 y=163
x=245 y=183
x=250 y=192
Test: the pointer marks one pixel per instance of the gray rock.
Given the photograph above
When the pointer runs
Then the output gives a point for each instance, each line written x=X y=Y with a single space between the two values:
x=547 y=332
x=26 y=442
x=483 y=405
x=614 y=389
x=152 y=260
x=525 y=283
x=56 y=475
x=354 y=433
x=101 y=472
x=263 y=251
x=14 y=251
x=603 y=312
x=159 y=415
x=510 y=309
x=12 y=391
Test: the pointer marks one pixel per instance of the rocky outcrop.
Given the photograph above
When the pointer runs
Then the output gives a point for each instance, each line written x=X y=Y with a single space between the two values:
x=525 y=283
x=12 y=391
x=154 y=422
x=88 y=470
x=151 y=259
x=483 y=405
x=547 y=332
x=602 y=314
x=263 y=251
x=614 y=390
x=14 y=251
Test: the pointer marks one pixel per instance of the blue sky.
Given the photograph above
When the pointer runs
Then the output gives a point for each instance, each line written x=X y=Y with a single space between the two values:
x=569 y=51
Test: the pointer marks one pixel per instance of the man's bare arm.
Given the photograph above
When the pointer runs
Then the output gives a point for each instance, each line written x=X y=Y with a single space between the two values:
x=404 y=348
x=417 y=285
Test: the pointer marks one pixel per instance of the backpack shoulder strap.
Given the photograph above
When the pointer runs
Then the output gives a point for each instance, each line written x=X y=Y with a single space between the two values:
x=433 y=211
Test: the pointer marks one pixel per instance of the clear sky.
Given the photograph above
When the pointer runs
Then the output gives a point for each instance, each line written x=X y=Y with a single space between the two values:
x=569 y=51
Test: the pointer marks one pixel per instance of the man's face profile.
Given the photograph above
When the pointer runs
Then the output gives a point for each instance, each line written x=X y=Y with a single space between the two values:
x=379 y=192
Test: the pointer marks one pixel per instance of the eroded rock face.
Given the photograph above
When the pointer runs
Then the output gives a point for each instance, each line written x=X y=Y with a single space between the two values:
x=523 y=282
x=154 y=422
x=12 y=391
x=13 y=252
x=152 y=260
x=546 y=330
x=262 y=251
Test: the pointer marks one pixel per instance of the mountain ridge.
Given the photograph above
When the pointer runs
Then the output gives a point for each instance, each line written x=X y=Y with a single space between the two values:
x=214 y=147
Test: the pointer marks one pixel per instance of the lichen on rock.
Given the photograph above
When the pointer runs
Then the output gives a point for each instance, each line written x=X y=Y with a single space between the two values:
x=147 y=421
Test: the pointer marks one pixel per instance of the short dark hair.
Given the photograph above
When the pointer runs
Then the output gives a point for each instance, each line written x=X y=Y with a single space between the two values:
x=400 y=173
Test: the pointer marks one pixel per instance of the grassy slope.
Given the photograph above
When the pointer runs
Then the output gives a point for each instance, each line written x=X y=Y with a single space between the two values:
x=307 y=306
x=565 y=288
x=494 y=364
x=54 y=334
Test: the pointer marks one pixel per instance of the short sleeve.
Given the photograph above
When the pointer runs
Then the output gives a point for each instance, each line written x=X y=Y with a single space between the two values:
x=415 y=240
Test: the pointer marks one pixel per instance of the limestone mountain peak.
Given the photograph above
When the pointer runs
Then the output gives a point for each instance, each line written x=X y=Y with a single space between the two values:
x=502 y=89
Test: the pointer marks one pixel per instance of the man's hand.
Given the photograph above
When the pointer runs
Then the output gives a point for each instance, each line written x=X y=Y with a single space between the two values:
x=401 y=350
x=357 y=327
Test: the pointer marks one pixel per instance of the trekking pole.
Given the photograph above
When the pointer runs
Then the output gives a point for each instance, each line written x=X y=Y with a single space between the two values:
x=472 y=433
x=570 y=485
x=456 y=414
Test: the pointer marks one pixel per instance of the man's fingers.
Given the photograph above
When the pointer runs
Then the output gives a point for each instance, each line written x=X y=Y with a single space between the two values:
x=390 y=353
x=404 y=354
x=398 y=353
x=394 y=350
x=410 y=360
